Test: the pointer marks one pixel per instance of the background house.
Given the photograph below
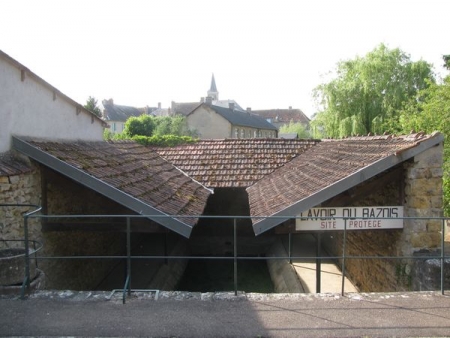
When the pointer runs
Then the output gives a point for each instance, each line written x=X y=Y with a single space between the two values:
x=116 y=115
x=215 y=122
x=282 y=117
x=212 y=118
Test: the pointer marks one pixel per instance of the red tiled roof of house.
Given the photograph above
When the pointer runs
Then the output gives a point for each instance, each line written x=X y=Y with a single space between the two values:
x=233 y=162
x=136 y=171
x=283 y=115
x=329 y=162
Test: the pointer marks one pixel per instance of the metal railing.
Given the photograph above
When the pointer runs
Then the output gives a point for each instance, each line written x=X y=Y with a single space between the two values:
x=26 y=241
x=235 y=257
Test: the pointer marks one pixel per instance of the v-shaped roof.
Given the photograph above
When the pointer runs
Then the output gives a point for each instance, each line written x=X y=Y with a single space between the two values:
x=326 y=170
x=283 y=177
x=130 y=174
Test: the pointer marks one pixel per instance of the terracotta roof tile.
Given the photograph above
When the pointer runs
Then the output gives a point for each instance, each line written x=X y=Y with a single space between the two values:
x=10 y=166
x=322 y=166
x=283 y=115
x=137 y=171
x=233 y=162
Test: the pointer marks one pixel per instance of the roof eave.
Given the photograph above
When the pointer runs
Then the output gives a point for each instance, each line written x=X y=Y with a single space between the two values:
x=102 y=187
x=340 y=186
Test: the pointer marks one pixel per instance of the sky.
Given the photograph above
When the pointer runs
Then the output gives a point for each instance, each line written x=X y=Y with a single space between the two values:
x=263 y=54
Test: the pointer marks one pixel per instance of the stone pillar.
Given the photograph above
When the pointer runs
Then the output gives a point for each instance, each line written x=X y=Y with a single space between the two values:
x=423 y=198
x=421 y=237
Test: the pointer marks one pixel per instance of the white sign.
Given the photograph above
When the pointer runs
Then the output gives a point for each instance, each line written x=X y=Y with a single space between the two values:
x=357 y=218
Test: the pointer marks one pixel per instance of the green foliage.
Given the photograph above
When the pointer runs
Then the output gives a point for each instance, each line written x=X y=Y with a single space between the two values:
x=367 y=93
x=295 y=127
x=164 y=140
x=167 y=125
x=429 y=111
x=142 y=125
x=446 y=61
x=91 y=105
x=109 y=135
x=147 y=125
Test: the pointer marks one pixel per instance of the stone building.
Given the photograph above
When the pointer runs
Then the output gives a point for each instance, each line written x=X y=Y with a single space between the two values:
x=214 y=122
x=116 y=115
x=272 y=180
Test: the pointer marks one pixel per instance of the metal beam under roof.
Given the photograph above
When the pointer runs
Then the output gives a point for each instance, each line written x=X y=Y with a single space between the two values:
x=346 y=183
x=101 y=187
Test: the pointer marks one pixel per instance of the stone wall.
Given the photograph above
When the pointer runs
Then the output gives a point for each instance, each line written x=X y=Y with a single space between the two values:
x=19 y=189
x=283 y=275
x=66 y=197
x=423 y=190
x=369 y=275
x=424 y=198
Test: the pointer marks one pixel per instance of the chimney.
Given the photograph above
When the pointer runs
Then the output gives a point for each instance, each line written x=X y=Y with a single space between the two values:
x=208 y=100
x=109 y=102
x=249 y=110
x=159 y=105
x=290 y=107
x=231 y=105
x=202 y=100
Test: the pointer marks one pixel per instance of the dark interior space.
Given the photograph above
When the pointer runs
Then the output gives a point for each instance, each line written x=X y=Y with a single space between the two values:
x=206 y=275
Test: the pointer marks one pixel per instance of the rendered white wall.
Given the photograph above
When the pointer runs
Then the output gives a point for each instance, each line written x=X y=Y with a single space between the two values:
x=28 y=108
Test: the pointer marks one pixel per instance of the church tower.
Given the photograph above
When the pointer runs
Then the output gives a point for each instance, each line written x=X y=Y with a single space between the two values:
x=212 y=92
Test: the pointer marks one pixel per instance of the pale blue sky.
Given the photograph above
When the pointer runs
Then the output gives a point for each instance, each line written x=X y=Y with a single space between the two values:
x=264 y=54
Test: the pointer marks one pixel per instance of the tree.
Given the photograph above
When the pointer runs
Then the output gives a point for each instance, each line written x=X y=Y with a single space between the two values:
x=295 y=127
x=147 y=125
x=143 y=125
x=446 y=61
x=91 y=105
x=167 y=125
x=429 y=111
x=367 y=93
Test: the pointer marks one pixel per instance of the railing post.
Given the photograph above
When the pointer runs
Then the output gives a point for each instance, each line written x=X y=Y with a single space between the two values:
x=129 y=255
x=318 y=263
x=343 y=256
x=235 y=256
x=27 y=255
x=290 y=248
x=442 y=255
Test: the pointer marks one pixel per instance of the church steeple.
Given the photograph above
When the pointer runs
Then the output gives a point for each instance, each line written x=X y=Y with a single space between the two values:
x=212 y=92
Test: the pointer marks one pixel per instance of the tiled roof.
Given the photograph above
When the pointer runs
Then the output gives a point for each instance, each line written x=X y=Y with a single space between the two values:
x=10 y=166
x=326 y=165
x=134 y=170
x=115 y=112
x=184 y=108
x=242 y=118
x=283 y=115
x=226 y=104
x=233 y=162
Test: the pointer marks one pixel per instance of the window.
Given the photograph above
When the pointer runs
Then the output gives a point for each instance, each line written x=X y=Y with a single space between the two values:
x=242 y=133
x=237 y=132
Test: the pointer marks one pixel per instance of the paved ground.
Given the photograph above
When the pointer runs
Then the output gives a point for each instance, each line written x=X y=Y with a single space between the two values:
x=331 y=276
x=177 y=314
